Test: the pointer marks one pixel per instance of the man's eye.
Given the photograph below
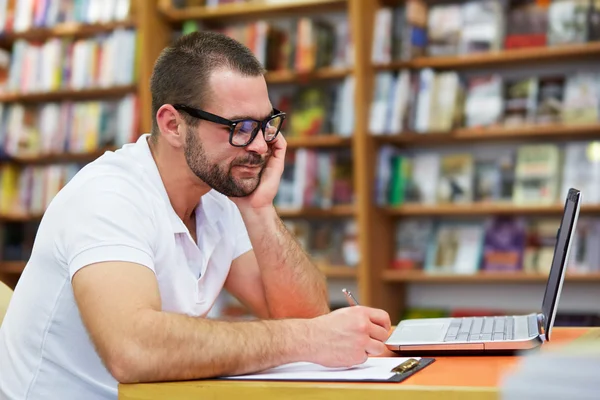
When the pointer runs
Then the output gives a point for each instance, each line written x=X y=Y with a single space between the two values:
x=247 y=126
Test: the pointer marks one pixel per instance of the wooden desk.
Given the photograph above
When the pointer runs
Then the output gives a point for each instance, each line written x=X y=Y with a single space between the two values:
x=448 y=378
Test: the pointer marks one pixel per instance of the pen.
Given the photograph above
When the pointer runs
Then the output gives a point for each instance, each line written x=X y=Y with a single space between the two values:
x=351 y=300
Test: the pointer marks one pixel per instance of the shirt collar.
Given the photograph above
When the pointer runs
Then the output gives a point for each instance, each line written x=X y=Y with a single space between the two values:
x=208 y=205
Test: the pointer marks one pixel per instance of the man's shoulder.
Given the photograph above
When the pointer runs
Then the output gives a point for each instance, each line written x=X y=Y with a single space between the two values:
x=107 y=179
x=101 y=177
x=118 y=170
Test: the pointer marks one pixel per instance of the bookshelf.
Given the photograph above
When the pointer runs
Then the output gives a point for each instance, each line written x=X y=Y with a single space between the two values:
x=17 y=217
x=336 y=271
x=68 y=95
x=403 y=283
x=302 y=77
x=65 y=30
x=249 y=10
x=324 y=141
x=60 y=157
x=481 y=209
x=482 y=277
x=171 y=20
x=495 y=134
x=378 y=285
x=309 y=212
x=12 y=267
x=498 y=58
x=139 y=19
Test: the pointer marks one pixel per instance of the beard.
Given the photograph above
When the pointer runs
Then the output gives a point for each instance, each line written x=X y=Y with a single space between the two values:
x=216 y=176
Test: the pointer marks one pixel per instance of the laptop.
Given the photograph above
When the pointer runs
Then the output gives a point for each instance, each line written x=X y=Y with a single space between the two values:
x=494 y=334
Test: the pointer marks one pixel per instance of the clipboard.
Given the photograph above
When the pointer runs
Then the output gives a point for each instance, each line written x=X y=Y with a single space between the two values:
x=423 y=362
x=375 y=369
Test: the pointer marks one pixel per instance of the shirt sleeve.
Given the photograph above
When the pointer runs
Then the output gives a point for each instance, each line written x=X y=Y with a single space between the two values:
x=108 y=221
x=242 y=240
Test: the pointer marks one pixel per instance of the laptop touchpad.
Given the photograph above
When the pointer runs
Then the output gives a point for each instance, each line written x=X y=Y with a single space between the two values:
x=422 y=332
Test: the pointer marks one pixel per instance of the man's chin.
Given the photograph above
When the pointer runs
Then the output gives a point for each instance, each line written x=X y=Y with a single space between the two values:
x=240 y=193
x=244 y=187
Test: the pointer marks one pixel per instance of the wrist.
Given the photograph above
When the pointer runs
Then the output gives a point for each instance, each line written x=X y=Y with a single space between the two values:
x=291 y=339
x=258 y=214
x=306 y=340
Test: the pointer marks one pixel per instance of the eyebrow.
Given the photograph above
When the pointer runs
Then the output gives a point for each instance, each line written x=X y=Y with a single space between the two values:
x=236 y=117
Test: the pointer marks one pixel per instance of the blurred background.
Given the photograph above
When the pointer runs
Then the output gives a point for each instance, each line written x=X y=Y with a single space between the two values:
x=431 y=143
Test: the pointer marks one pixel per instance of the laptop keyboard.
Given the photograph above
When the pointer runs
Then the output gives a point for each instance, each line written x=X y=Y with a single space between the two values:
x=481 y=328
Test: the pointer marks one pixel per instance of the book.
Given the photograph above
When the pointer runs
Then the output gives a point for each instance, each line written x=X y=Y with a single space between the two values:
x=537 y=174
x=520 y=101
x=412 y=238
x=581 y=169
x=483 y=26
x=456 y=248
x=550 y=99
x=540 y=243
x=568 y=21
x=484 y=103
x=581 y=103
x=455 y=184
x=504 y=244
x=526 y=24
x=444 y=29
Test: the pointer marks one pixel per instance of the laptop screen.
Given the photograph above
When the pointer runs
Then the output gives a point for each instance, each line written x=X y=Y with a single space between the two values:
x=559 y=260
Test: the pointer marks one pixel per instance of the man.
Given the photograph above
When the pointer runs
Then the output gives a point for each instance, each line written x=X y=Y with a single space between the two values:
x=132 y=253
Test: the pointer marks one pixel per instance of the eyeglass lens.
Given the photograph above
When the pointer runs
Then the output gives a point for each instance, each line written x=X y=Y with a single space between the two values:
x=244 y=130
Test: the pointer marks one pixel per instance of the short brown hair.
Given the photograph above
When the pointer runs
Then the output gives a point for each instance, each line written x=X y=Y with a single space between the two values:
x=182 y=70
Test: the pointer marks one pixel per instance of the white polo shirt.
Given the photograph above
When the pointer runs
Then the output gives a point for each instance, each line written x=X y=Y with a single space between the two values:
x=115 y=209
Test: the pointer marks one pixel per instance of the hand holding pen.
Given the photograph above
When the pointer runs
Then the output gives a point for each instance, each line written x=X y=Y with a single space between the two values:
x=349 y=335
x=353 y=302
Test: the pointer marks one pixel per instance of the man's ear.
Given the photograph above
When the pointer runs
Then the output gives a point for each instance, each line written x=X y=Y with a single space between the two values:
x=171 y=125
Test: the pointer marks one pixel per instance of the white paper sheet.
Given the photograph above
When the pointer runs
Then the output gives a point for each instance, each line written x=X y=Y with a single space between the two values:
x=375 y=368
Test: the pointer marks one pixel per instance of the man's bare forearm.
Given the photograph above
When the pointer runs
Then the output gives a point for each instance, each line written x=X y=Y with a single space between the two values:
x=177 y=347
x=294 y=286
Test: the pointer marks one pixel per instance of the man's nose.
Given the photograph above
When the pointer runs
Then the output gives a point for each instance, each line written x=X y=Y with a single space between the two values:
x=258 y=145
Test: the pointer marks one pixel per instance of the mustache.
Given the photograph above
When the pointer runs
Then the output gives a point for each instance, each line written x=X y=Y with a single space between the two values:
x=253 y=159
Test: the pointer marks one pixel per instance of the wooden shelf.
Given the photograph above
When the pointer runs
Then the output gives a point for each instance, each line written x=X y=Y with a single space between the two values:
x=480 y=209
x=19 y=217
x=481 y=277
x=60 y=157
x=251 y=10
x=319 y=141
x=394 y=65
x=532 y=132
x=337 y=271
x=512 y=56
x=73 y=29
x=68 y=95
x=335 y=211
x=309 y=76
x=12 y=267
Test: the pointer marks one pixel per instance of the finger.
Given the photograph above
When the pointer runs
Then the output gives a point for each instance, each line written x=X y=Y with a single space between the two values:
x=378 y=332
x=380 y=318
x=276 y=163
x=366 y=357
x=375 y=347
x=279 y=146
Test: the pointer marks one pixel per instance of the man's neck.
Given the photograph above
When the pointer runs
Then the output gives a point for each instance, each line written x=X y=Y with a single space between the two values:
x=184 y=190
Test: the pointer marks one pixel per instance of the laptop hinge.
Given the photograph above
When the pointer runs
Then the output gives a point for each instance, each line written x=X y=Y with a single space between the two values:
x=541 y=320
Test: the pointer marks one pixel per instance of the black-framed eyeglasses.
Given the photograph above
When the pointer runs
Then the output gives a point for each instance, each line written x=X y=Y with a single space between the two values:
x=241 y=131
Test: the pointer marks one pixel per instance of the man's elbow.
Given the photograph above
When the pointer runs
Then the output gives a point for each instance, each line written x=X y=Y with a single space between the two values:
x=128 y=366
